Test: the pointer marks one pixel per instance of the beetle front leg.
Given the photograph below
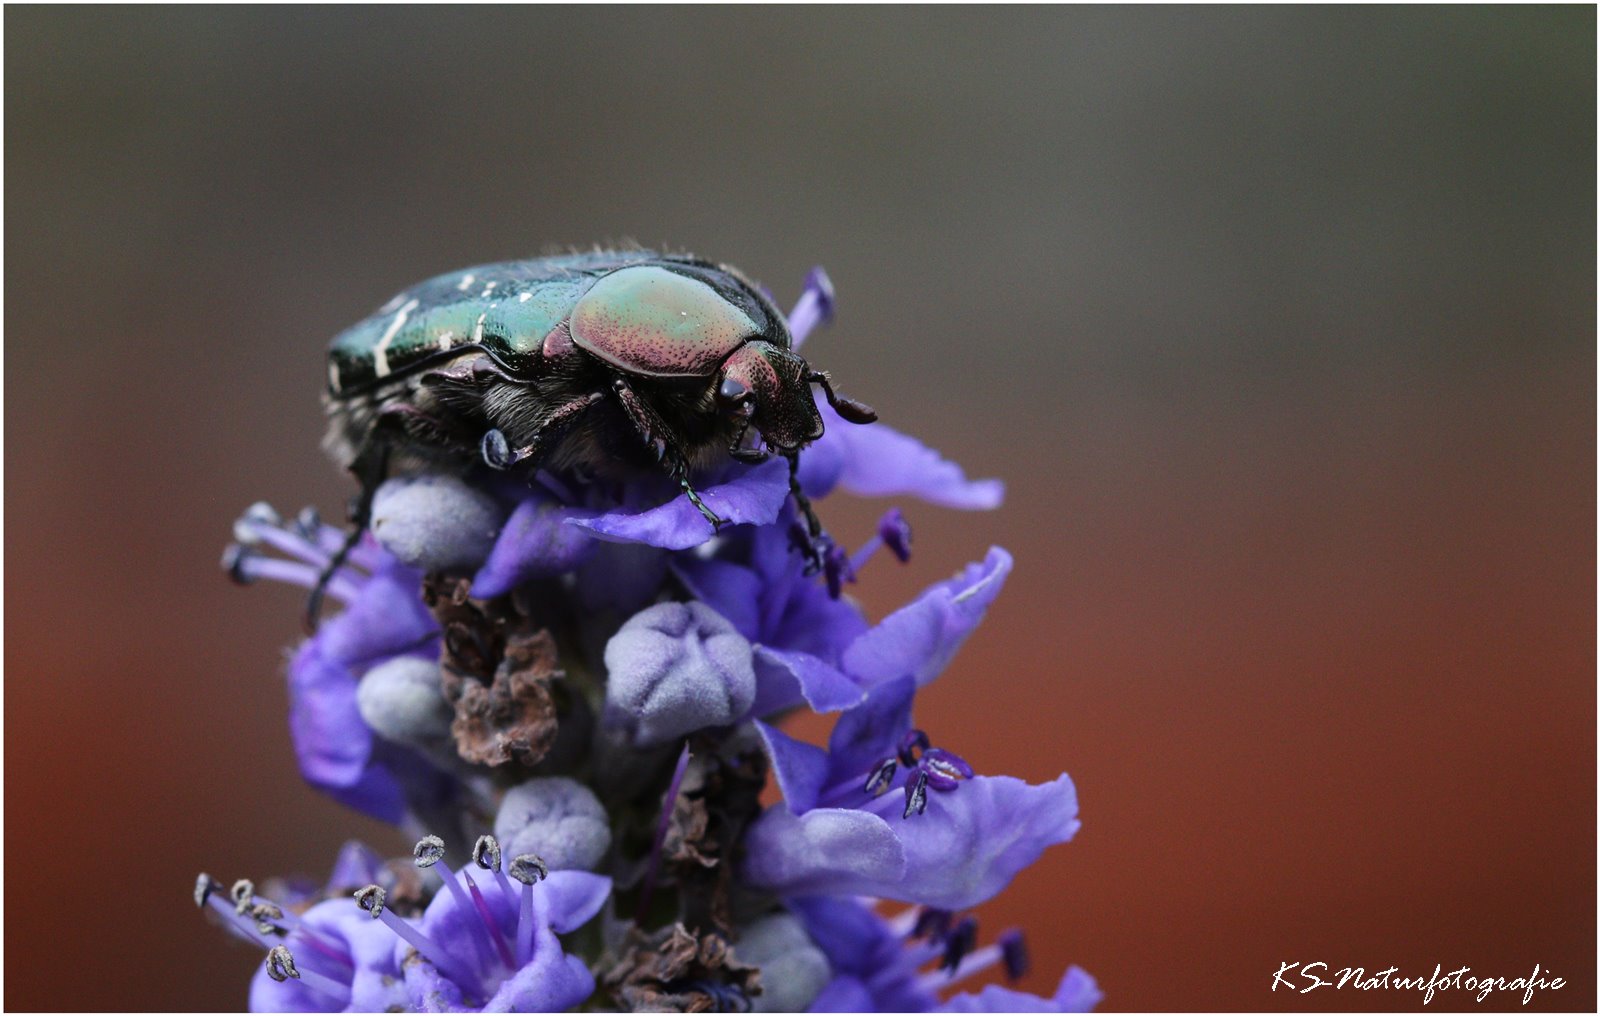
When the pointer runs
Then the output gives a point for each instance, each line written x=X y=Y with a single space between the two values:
x=650 y=431
x=497 y=452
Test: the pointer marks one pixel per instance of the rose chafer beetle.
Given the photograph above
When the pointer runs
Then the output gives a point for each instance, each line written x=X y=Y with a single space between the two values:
x=601 y=365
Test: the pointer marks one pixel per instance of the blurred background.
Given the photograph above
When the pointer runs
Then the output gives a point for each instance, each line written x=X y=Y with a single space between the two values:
x=1279 y=324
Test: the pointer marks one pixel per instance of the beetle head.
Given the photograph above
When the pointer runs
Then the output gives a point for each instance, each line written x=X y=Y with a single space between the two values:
x=769 y=387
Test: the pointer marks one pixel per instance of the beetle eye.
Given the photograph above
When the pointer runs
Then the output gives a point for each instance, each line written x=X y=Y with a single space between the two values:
x=731 y=391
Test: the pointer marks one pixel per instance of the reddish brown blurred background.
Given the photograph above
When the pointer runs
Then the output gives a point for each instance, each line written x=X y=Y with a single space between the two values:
x=1280 y=324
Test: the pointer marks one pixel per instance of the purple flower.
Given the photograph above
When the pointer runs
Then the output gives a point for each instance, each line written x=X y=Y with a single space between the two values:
x=384 y=618
x=813 y=649
x=487 y=942
x=904 y=964
x=840 y=831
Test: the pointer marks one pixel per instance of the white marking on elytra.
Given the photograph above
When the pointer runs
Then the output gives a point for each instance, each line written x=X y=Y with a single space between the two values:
x=394 y=302
x=477 y=329
x=488 y=288
x=445 y=338
x=465 y=283
x=380 y=352
x=525 y=297
x=333 y=375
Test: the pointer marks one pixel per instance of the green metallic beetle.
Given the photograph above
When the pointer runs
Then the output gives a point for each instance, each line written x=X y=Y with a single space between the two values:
x=604 y=365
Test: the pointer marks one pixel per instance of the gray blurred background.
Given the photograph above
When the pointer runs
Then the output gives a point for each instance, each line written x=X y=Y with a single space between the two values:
x=1279 y=323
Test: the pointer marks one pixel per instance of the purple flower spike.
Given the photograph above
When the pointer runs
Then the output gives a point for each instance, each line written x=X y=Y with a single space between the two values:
x=755 y=497
x=675 y=668
x=815 y=307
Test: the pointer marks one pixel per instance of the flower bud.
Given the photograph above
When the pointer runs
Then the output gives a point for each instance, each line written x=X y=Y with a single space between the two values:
x=675 y=668
x=435 y=521
x=558 y=819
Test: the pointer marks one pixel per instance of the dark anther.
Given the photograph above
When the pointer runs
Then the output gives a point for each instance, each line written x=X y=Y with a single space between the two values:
x=895 y=532
x=945 y=769
x=371 y=899
x=958 y=943
x=881 y=777
x=280 y=964
x=242 y=894
x=204 y=886
x=495 y=450
x=932 y=924
x=915 y=740
x=1014 y=951
x=308 y=523
x=529 y=868
x=256 y=517
x=264 y=914
x=916 y=794
x=234 y=558
x=486 y=853
x=428 y=851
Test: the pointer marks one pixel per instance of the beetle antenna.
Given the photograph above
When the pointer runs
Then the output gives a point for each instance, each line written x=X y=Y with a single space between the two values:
x=850 y=409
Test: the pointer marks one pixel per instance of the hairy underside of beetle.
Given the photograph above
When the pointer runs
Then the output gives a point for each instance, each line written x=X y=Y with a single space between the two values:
x=437 y=419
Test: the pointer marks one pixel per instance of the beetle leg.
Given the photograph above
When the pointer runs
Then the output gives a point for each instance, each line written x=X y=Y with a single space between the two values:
x=649 y=427
x=815 y=541
x=370 y=466
x=497 y=454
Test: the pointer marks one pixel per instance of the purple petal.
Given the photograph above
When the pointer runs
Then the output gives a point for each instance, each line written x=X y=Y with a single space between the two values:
x=920 y=638
x=971 y=842
x=730 y=589
x=1076 y=993
x=386 y=619
x=754 y=497
x=536 y=542
x=966 y=847
x=553 y=982
x=875 y=460
x=573 y=898
x=827 y=850
x=845 y=994
x=784 y=678
x=871 y=731
x=801 y=768
x=357 y=865
x=332 y=741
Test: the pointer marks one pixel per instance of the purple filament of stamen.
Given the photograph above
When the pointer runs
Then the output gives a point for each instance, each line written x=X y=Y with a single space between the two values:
x=480 y=940
x=492 y=926
x=255 y=566
x=310 y=935
x=293 y=544
x=525 y=925
x=323 y=983
x=662 y=826
x=970 y=965
x=446 y=963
